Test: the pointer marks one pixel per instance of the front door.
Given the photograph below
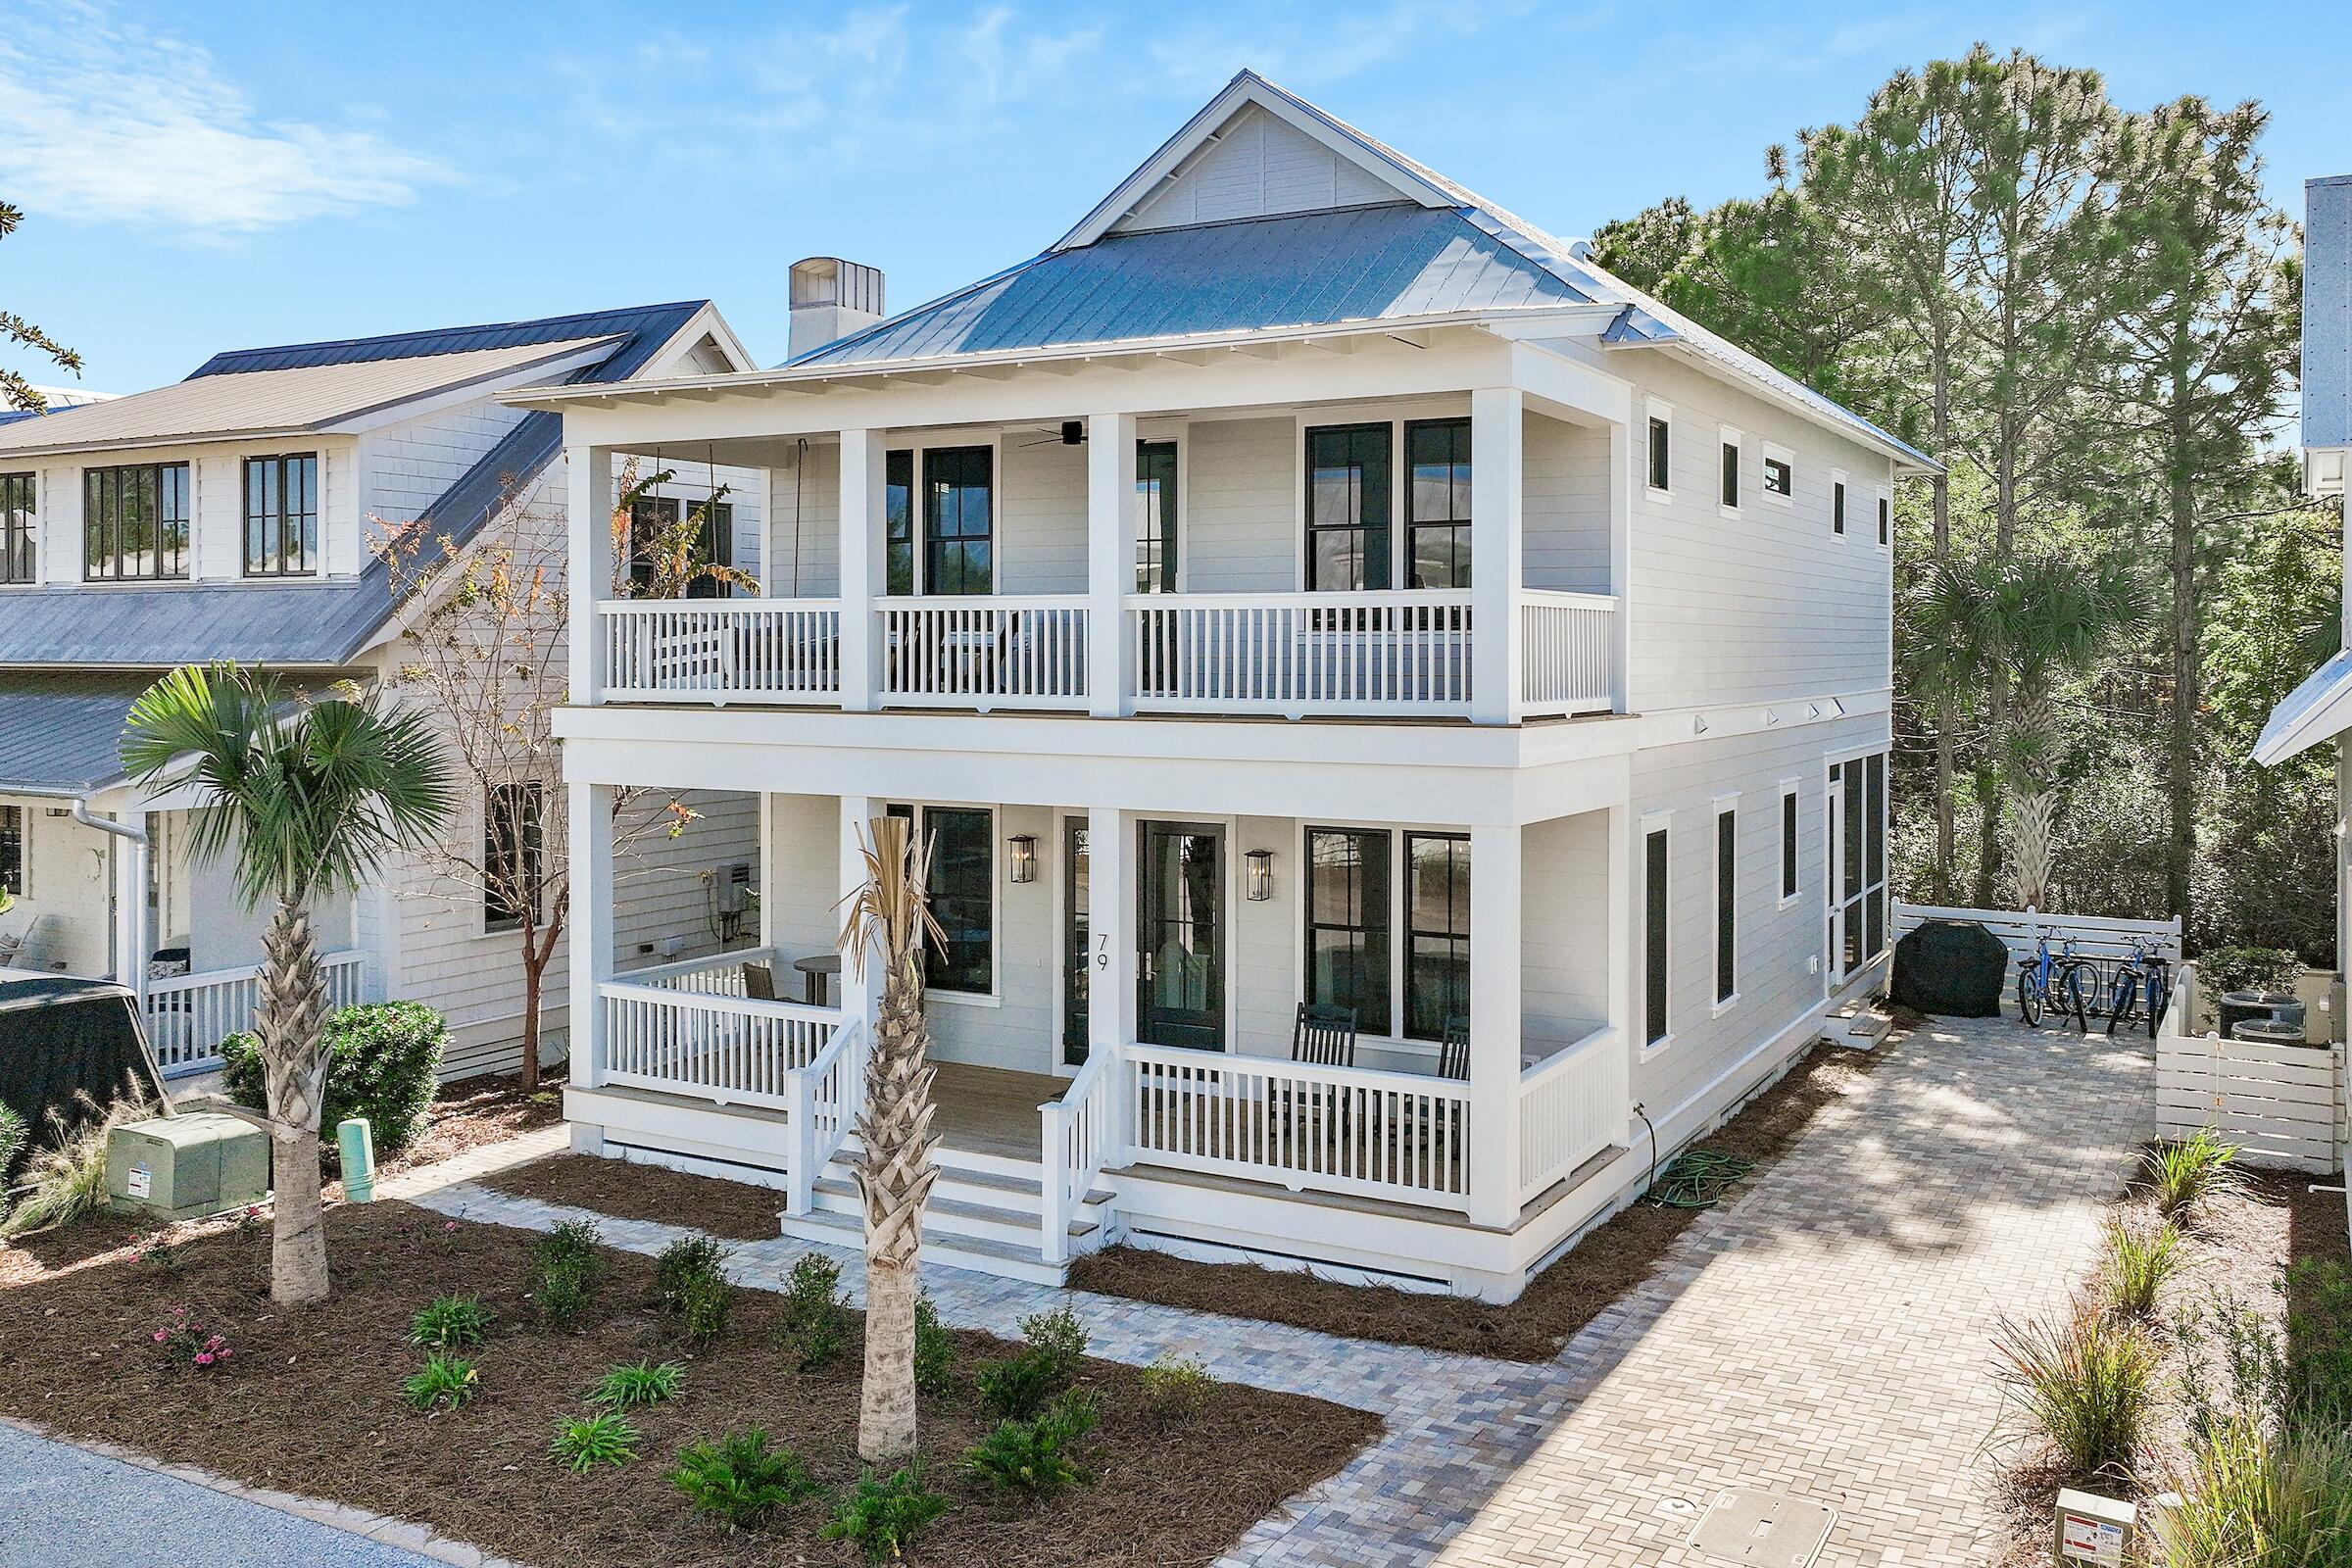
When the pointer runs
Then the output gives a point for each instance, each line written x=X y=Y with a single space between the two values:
x=1077 y=957
x=1180 y=936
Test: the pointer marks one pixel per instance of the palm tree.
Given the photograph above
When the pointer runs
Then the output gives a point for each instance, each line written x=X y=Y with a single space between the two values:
x=2028 y=622
x=306 y=799
x=891 y=916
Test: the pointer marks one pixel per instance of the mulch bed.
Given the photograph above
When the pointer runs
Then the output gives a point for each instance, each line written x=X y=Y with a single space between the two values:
x=736 y=1210
x=1614 y=1259
x=309 y=1402
x=474 y=1112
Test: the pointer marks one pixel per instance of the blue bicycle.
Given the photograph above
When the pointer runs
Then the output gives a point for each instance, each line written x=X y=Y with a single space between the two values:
x=2143 y=985
x=2050 y=983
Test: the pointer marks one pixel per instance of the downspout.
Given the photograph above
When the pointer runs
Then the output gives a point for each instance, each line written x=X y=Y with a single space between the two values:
x=140 y=849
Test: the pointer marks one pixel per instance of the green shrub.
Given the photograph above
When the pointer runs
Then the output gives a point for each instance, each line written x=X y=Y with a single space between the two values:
x=708 y=1303
x=449 y=1320
x=1034 y=1456
x=573 y=1242
x=2225 y=969
x=2183 y=1172
x=687 y=1259
x=586 y=1442
x=626 y=1386
x=13 y=1137
x=816 y=1312
x=384 y=1061
x=1178 y=1386
x=66 y=1181
x=2257 y=1496
x=569 y=1266
x=740 y=1478
x=2319 y=1339
x=2083 y=1382
x=882 y=1517
x=2138 y=1264
x=1018 y=1387
x=1059 y=1338
x=447 y=1382
x=934 y=1349
x=2232 y=1366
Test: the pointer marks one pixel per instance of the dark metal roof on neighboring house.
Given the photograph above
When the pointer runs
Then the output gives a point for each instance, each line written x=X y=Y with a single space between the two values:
x=327 y=625
x=1363 y=263
x=62 y=734
x=451 y=340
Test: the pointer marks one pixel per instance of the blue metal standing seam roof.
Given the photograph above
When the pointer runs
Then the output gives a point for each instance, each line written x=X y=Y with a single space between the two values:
x=62 y=734
x=329 y=624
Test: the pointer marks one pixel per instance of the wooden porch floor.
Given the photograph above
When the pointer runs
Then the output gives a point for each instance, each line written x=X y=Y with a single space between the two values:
x=992 y=1110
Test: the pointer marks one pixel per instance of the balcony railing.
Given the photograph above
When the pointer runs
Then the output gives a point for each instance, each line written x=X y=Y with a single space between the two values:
x=1567 y=651
x=1302 y=654
x=973 y=652
x=188 y=1016
x=1571 y=1106
x=742 y=649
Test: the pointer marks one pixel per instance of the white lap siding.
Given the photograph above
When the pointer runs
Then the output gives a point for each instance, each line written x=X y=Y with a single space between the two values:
x=68 y=888
x=1565 y=477
x=1041 y=516
x=800 y=550
x=1242 y=515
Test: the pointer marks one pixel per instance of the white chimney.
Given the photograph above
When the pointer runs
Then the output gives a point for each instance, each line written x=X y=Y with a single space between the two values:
x=830 y=299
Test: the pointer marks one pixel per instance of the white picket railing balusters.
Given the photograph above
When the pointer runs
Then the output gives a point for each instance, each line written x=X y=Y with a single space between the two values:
x=826 y=1097
x=1392 y=1135
x=1572 y=1106
x=984 y=651
x=1301 y=653
x=188 y=1016
x=729 y=1049
x=1077 y=1139
x=745 y=650
x=1567 y=651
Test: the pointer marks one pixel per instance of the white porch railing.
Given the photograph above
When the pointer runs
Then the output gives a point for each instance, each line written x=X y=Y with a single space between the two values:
x=725 y=1048
x=1078 y=1142
x=1301 y=653
x=752 y=650
x=827 y=1096
x=1392 y=1135
x=1567 y=651
x=1572 y=1106
x=985 y=652
x=189 y=1015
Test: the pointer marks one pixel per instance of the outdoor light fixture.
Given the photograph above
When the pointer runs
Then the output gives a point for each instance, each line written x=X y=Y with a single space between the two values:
x=1024 y=857
x=1259 y=884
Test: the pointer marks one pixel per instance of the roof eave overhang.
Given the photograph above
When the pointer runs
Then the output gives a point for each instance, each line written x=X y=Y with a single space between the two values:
x=150 y=443
x=1907 y=460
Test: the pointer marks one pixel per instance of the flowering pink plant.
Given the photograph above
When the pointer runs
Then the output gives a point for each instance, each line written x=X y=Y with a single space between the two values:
x=184 y=1341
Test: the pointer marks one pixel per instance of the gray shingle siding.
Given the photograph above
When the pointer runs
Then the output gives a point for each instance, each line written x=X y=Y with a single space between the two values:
x=2327 y=312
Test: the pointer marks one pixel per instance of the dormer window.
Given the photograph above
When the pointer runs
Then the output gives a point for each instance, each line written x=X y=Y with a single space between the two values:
x=15 y=528
x=281 y=516
x=134 y=522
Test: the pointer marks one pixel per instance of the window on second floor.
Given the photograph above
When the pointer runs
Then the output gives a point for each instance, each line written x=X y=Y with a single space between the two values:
x=653 y=517
x=1661 y=454
x=1731 y=473
x=1437 y=459
x=1780 y=480
x=134 y=522
x=958 y=520
x=1837 y=507
x=1156 y=511
x=1885 y=519
x=1348 y=501
x=281 y=516
x=17 y=562
x=898 y=524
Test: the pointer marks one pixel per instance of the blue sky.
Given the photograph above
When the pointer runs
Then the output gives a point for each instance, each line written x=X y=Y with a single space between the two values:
x=199 y=178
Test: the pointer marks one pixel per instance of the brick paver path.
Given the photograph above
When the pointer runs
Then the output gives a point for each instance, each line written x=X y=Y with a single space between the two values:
x=1826 y=1333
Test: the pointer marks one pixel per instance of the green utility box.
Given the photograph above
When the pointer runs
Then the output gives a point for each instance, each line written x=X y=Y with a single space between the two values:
x=182 y=1167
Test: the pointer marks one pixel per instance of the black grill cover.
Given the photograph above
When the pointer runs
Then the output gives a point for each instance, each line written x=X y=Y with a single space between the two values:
x=61 y=1036
x=1954 y=968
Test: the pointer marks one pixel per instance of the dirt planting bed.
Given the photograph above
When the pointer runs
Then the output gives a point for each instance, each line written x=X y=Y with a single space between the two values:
x=309 y=1401
x=737 y=1210
x=1617 y=1256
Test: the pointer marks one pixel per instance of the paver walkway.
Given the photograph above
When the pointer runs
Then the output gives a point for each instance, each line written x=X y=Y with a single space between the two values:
x=1826 y=1333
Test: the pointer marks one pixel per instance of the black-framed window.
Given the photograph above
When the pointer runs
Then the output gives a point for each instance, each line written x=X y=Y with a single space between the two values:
x=1779 y=478
x=963 y=897
x=1837 y=507
x=715 y=540
x=1436 y=512
x=1885 y=518
x=1731 y=473
x=12 y=851
x=1789 y=845
x=513 y=829
x=281 y=516
x=17 y=563
x=1155 y=542
x=1347 y=506
x=1727 y=903
x=898 y=524
x=958 y=520
x=650 y=518
x=1436 y=932
x=1347 y=926
x=134 y=522
x=1654 y=937
x=1661 y=455
x=653 y=517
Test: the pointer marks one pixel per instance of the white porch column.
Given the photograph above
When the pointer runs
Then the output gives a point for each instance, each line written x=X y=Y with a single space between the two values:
x=1109 y=560
x=1111 y=885
x=864 y=568
x=1496 y=503
x=588 y=475
x=591 y=928
x=1494 y=1022
x=861 y=987
x=1624 y=479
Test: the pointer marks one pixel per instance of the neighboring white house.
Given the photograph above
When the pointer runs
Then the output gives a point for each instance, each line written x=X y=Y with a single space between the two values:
x=1305 y=582
x=227 y=517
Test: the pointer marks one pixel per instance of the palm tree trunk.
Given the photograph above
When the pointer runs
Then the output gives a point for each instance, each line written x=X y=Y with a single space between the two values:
x=291 y=1020
x=895 y=1174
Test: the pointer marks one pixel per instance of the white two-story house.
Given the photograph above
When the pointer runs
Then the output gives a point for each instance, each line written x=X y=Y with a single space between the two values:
x=230 y=516
x=1303 y=585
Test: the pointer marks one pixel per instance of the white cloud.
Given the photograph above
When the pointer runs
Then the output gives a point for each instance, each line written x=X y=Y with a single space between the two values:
x=103 y=120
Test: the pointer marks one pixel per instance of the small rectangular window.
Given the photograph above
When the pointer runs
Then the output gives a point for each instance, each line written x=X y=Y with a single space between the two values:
x=1789 y=845
x=958 y=520
x=1837 y=507
x=281 y=516
x=1727 y=902
x=898 y=522
x=12 y=851
x=1731 y=473
x=1437 y=518
x=1777 y=478
x=1436 y=933
x=714 y=543
x=1156 y=517
x=134 y=522
x=1661 y=458
x=1886 y=519
x=1653 y=941
x=513 y=856
x=651 y=518
x=1347 y=923
x=15 y=528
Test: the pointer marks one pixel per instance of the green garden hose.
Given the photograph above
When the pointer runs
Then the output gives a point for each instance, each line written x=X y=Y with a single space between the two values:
x=1696 y=1178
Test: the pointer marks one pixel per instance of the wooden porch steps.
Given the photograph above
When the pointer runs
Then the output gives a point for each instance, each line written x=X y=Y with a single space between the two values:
x=986 y=1213
x=1857 y=1028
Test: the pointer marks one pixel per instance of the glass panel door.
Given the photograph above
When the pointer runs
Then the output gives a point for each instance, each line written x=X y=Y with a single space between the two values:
x=1077 y=955
x=1180 y=936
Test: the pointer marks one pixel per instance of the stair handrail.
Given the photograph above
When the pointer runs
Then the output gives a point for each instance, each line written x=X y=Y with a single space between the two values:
x=1077 y=1144
x=821 y=1119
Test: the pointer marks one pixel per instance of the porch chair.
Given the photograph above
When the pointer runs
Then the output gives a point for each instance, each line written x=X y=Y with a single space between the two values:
x=1453 y=1048
x=34 y=949
x=759 y=982
x=1324 y=1037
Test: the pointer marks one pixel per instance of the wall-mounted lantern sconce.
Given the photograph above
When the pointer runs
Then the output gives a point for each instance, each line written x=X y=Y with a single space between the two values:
x=1258 y=886
x=1024 y=857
